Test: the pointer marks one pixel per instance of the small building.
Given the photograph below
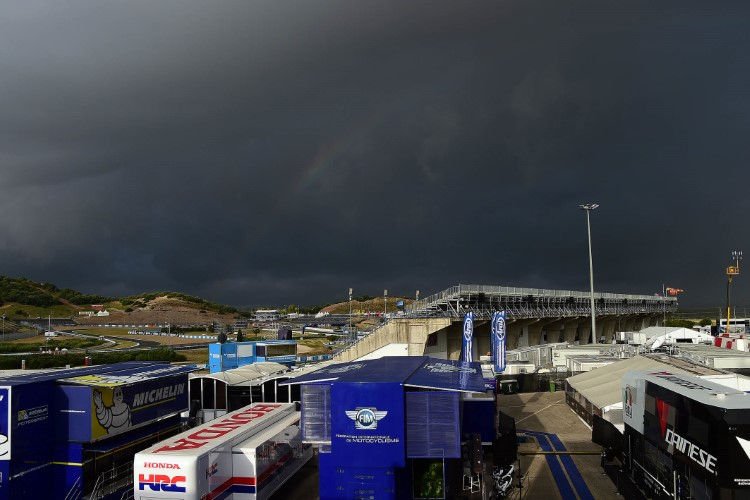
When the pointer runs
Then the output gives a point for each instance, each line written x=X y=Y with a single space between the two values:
x=394 y=424
x=103 y=313
x=579 y=364
x=218 y=393
x=240 y=324
x=267 y=315
x=656 y=336
x=733 y=360
x=235 y=354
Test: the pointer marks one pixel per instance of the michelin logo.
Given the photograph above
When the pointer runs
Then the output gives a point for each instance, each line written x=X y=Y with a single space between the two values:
x=158 y=395
x=114 y=418
x=366 y=418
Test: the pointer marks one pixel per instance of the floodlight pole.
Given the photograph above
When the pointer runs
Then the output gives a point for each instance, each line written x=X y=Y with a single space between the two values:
x=385 y=303
x=588 y=208
x=732 y=271
x=350 y=314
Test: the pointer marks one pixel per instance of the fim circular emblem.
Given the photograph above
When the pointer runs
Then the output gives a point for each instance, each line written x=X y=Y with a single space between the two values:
x=366 y=418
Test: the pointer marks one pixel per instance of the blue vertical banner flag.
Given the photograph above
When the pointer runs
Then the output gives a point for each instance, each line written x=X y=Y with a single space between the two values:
x=468 y=338
x=498 y=341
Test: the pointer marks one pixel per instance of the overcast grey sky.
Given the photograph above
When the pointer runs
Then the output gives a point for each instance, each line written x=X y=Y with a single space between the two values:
x=260 y=152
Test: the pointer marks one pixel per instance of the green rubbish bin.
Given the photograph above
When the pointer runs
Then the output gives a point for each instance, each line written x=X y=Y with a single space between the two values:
x=551 y=386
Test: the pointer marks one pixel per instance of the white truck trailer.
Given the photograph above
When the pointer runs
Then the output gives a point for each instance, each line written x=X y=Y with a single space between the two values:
x=246 y=454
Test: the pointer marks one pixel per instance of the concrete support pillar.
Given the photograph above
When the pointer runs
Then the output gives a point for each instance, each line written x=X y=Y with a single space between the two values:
x=482 y=338
x=535 y=333
x=454 y=333
x=645 y=321
x=628 y=323
x=553 y=331
x=584 y=331
x=608 y=329
x=570 y=330
x=515 y=330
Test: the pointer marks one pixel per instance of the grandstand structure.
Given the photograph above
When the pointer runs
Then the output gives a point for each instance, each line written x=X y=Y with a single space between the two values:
x=527 y=303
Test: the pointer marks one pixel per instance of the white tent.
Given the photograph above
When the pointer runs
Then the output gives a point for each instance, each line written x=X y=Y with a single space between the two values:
x=678 y=336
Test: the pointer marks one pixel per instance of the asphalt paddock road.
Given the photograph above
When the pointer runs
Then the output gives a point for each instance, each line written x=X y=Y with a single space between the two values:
x=552 y=426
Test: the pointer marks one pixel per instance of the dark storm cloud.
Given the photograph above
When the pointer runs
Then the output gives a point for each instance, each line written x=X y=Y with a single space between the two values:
x=261 y=152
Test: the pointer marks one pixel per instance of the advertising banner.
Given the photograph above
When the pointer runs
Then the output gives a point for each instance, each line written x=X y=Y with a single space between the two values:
x=498 y=341
x=468 y=337
x=118 y=403
x=367 y=424
x=116 y=409
x=4 y=423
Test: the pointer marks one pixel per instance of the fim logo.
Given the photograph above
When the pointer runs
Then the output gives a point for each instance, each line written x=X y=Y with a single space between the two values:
x=366 y=418
x=161 y=482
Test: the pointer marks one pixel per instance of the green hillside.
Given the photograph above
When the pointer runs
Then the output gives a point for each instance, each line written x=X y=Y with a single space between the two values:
x=23 y=298
x=30 y=293
x=142 y=300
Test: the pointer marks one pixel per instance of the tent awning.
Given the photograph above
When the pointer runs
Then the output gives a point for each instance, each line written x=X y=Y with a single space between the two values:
x=411 y=371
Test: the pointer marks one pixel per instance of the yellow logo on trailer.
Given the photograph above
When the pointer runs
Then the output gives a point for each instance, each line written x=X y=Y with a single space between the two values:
x=99 y=380
x=110 y=414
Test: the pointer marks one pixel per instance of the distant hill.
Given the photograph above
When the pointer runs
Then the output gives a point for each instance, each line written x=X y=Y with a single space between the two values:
x=23 y=298
x=369 y=305
x=27 y=292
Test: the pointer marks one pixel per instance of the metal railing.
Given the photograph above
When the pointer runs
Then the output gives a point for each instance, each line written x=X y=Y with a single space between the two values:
x=112 y=480
x=360 y=339
x=76 y=490
x=520 y=303
x=457 y=290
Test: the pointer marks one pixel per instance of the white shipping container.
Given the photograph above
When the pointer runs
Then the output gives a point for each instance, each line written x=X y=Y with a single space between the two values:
x=199 y=463
x=267 y=460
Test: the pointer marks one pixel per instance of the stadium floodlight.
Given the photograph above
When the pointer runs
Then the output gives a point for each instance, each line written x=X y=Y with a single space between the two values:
x=588 y=208
x=732 y=271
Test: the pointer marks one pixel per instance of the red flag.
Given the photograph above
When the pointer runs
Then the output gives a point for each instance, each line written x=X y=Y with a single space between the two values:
x=674 y=292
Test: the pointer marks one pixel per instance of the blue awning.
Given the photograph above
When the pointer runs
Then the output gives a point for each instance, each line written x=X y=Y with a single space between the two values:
x=412 y=371
x=447 y=375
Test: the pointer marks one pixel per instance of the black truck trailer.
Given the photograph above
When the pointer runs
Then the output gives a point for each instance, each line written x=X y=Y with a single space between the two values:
x=686 y=437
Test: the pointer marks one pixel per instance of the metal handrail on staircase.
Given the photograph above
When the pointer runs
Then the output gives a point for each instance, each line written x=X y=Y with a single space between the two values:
x=112 y=480
x=75 y=491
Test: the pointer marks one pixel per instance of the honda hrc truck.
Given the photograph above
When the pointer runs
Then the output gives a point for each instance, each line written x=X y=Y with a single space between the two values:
x=686 y=437
x=246 y=454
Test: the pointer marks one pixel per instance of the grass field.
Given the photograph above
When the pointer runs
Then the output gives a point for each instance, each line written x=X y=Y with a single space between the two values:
x=20 y=312
x=129 y=340
x=312 y=346
x=34 y=343
x=195 y=355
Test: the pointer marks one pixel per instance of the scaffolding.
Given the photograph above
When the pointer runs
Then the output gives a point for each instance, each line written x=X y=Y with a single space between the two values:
x=523 y=303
